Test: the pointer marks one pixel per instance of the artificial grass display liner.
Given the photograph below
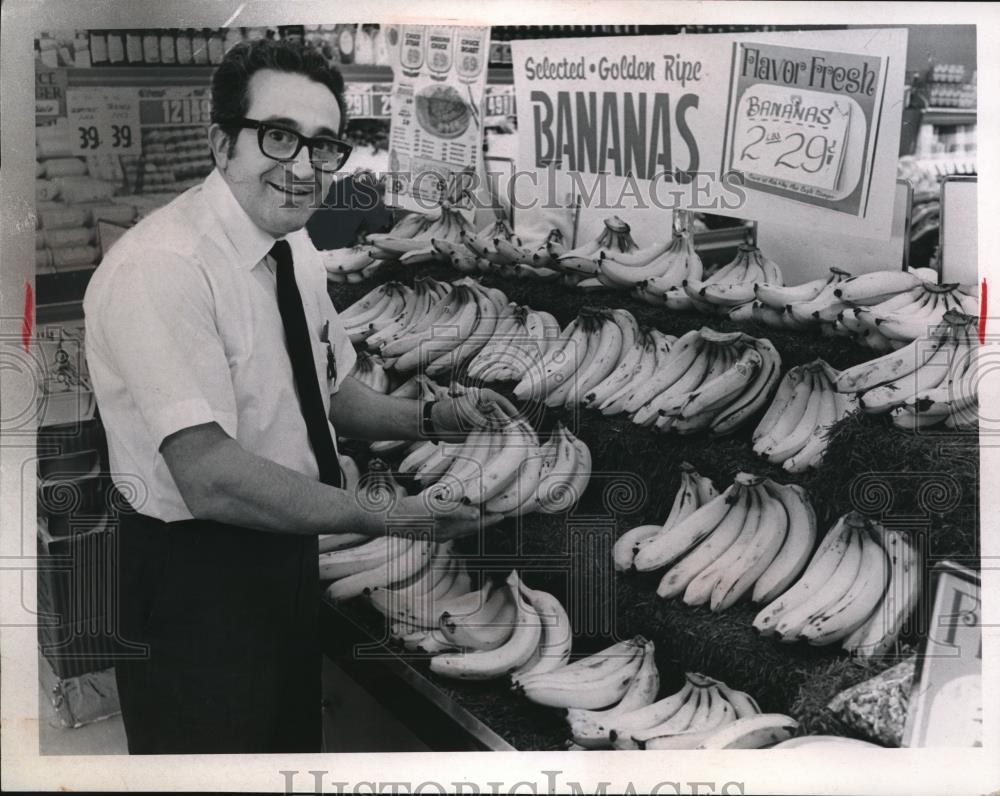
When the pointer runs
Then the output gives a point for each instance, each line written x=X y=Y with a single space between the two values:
x=924 y=483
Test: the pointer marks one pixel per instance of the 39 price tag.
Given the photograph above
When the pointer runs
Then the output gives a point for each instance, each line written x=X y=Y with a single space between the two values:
x=797 y=139
x=104 y=120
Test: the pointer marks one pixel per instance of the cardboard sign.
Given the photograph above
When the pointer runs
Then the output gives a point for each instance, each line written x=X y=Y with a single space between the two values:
x=799 y=127
x=104 y=120
x=50 y=92
x=959 y=230
x=805 y=254
x=946 y=704
x=439 y=76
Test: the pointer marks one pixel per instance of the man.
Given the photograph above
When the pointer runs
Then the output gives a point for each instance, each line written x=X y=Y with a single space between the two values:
x=216 y=356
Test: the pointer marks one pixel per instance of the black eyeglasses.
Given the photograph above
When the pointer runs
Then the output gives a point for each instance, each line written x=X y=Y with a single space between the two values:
x=281 y=143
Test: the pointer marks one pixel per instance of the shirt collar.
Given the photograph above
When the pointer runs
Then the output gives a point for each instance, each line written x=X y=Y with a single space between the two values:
x=250 y=242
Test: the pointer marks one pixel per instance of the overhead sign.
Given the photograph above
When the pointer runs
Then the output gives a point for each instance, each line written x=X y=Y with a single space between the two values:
x=799 y=127
x=104 y=120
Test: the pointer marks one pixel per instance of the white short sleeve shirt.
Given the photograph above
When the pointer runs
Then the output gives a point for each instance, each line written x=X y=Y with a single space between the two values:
x=183 y=328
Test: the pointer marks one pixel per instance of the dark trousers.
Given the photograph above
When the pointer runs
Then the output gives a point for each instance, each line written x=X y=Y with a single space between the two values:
x=230 y=617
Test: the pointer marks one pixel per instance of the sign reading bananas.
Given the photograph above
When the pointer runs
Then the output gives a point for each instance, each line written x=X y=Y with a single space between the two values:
x=794 y=127
x=802 y=123
x=437 y=106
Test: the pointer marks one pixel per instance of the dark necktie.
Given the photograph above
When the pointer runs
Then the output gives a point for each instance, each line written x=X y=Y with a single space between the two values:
x=299 y=344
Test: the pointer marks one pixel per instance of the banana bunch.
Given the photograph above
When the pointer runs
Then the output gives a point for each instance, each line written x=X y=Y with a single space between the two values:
x=860 y=587
x=522 y=336
x=582 y=264
x=686 y=719
x=707 y=380
x=409 y=241
x=524 y=631
x=732 y=285
x=440 y=333
x=370 y=371
x=389 y=307
x=694 y=492
x=773 y=303
x=652 y=270
x=587 y=352
x=597 y=681
x=794 y=429
x=753 y=539
x=351 y=264
x=498 y=249
x=504 y=468
x=929 y=381
x=907 y=316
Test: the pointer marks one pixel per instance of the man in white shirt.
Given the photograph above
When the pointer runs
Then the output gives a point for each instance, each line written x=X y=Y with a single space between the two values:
x=217 y=359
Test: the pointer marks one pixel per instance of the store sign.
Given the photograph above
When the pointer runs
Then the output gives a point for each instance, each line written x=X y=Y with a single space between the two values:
x=799 y=127
x=367 y=100
x=103 y=120
x=436 y=135
x=50 y=92
x=175 y=106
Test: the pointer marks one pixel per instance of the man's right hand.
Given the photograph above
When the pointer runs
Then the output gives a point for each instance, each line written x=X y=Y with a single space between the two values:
x=445 y=519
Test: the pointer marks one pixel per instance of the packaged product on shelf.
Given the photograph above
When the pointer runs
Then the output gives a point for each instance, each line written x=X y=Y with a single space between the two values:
x=63 y=217
x=73 y=190
x=43 y=260
x=53 y=140
x=381 y=47
x=98 y=48
x=133 y=47
x=877 y=707
x=216 y=47
x=46 y=190
x=345 y=43
x=233 y=37
x=199 y=47
x=168 y=48
x=364 y=46
x=65 y=167
x=151 y=46
x=116 y=48
x=75 y=256
x=183 y=46
x=66 y=238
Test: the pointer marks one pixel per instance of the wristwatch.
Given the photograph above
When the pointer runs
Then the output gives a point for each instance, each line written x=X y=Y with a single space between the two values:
x=426 y=422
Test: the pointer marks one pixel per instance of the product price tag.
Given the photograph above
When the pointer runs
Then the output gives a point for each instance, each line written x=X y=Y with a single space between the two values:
x=793 y=138
x=104 y=120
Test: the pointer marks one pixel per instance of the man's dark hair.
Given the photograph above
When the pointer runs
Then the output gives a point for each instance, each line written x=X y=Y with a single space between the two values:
x=231 y=80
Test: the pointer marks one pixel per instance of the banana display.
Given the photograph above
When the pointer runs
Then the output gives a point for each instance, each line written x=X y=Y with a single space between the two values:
x=524 y=633
x=793 y=430
x=773 y=304
x=390 y=308
x=732 y=285
x=504 y=468
x=931 y=381
x=860 y=587
x=751 y=540
x=351 y=264
x=704 y=714
x=521 y=336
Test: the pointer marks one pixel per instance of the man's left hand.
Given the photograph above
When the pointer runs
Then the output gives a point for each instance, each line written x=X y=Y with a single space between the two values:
x=474 y=409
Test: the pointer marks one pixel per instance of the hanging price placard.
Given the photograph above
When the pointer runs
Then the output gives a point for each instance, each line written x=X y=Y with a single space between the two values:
x=803 y=123
x=367 y=100
x=104 y=120
x=175 y=106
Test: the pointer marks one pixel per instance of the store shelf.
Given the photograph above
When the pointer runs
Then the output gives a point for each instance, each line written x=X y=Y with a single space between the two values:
x=949 y=116
x=152 y=76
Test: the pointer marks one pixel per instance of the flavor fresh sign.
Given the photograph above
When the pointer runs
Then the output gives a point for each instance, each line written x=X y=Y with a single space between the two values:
x=805 y=123
x=799 y=127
